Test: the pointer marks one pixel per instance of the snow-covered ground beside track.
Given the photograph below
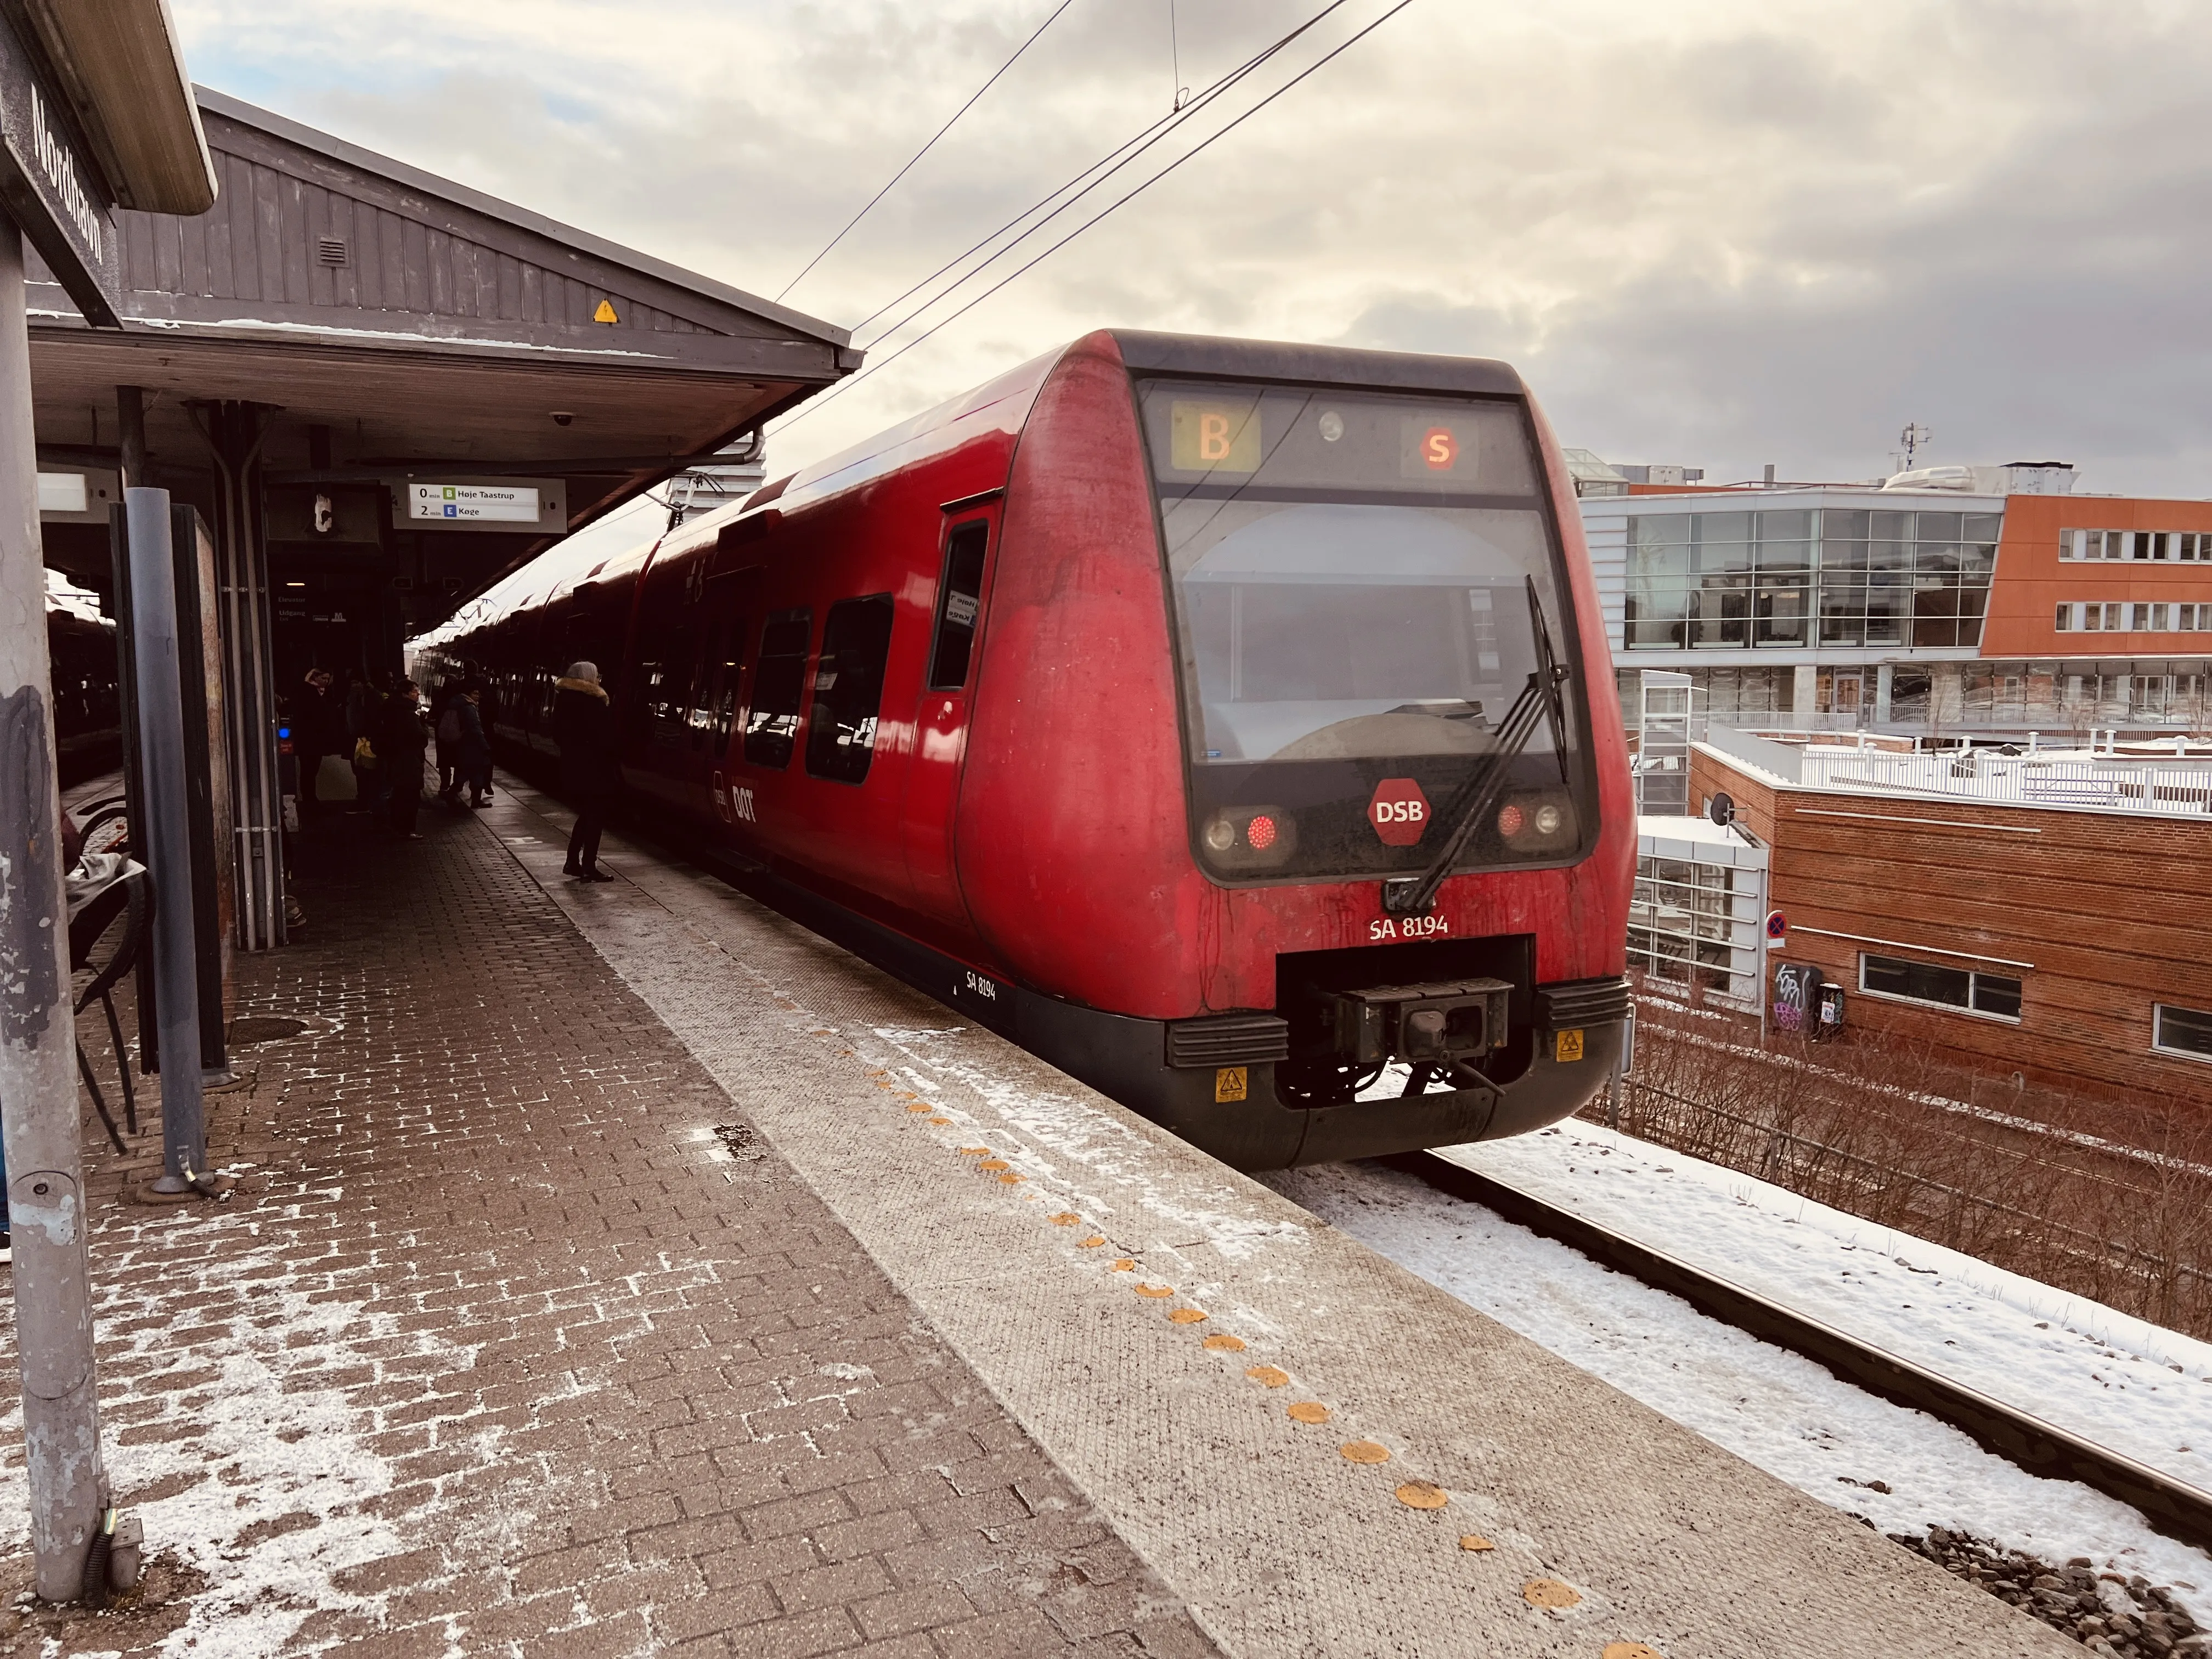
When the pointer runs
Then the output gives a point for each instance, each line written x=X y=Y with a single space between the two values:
x=2098 y=1372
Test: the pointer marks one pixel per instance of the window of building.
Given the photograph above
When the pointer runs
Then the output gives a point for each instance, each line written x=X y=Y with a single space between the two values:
x=1839 y=575
x=779 y=686
x=1969 y=988
x=2181 y=1031
x=848 y=688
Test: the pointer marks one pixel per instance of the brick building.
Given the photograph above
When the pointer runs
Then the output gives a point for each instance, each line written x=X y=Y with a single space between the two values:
x=2033 y=917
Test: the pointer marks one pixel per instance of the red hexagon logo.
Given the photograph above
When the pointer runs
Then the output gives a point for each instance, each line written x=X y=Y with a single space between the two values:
x=1399 y=812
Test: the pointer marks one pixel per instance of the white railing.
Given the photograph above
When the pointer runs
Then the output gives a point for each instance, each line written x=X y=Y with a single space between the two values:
x=1982 y=775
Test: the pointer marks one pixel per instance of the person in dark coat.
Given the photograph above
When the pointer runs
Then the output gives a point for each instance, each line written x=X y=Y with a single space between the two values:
x=591 y=767
x=471 y=748
x=400 y=744
x=318 y=729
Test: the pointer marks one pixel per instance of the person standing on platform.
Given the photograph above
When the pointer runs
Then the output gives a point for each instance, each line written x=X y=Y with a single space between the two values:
x=364 y=715
x=471 y=748
x=315 y=720
x=447 y=726
x=399 y=749
x=590 y=769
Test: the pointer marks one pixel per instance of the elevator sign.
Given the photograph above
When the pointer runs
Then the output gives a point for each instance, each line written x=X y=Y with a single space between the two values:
x=484 y=504
x=50 y=186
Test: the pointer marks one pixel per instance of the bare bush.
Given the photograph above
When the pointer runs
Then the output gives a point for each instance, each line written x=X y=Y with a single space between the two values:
x=2110 y=1202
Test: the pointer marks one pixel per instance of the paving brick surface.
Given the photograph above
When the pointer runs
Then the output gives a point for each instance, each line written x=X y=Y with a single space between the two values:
x=498 y=1347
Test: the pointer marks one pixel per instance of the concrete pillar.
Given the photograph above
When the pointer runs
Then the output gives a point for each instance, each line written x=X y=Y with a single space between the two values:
x=1882 y=677
x=1805 y=695
x=39 y=1110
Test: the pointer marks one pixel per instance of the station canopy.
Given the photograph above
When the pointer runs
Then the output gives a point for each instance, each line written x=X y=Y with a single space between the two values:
x=338 y=318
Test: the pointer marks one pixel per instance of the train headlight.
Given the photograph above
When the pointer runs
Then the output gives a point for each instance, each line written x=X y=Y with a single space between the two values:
x=1237 y=840
x=1332 y=426
x=1538 y=823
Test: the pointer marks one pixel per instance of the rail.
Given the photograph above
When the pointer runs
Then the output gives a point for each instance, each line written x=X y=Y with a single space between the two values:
x=2173 y=1507
x=2016 y=780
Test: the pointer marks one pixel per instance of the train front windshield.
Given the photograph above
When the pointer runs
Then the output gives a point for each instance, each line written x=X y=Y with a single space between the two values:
x=1363 y=587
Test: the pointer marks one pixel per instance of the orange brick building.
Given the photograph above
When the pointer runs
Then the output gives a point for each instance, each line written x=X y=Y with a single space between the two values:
x=2069 y=943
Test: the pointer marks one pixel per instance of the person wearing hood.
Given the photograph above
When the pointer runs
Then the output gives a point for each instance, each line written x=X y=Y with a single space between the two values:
x=591 y=768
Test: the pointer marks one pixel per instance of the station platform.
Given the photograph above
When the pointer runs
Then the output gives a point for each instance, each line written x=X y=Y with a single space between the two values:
x=624 y=1269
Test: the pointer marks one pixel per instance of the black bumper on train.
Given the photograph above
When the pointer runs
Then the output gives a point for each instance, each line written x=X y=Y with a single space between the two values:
x=1213 y=1081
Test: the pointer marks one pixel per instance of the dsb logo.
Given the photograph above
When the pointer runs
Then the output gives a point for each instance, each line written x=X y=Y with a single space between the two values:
x=1398 y=810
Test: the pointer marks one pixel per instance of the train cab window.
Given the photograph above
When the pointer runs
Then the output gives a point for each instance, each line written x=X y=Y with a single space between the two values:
x=959 y=598
x=779 y=686
x=848 y=688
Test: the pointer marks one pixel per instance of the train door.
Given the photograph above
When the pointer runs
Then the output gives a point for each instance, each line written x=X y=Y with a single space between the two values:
x=941 y=720
x=657 y=725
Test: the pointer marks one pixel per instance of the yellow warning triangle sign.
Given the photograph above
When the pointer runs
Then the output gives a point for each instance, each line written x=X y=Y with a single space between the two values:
x=605 y=313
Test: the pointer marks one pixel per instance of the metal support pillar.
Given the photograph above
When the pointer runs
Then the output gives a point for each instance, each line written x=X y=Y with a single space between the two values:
x=131 y=427
x=164 y=832
x=39 y=1110
x=234 y=433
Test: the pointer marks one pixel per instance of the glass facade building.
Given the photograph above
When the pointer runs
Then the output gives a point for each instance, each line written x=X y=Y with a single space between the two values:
x=1807 y=578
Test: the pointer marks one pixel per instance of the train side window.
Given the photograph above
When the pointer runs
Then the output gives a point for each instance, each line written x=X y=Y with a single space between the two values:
x=959 y=599
x=732 y=671
x=779 y=685
x=704 y=683
x=848 y=688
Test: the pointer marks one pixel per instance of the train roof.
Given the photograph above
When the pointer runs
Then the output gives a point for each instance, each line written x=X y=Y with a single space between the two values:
x=1010 y=396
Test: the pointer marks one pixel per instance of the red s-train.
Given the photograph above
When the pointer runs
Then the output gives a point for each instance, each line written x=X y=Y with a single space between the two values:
x=1224 y=722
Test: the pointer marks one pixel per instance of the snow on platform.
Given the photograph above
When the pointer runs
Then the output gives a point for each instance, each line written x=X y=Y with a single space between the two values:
x=2112 y=1378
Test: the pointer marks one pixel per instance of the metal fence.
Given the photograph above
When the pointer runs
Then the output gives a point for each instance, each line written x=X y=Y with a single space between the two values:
x=1985 y=774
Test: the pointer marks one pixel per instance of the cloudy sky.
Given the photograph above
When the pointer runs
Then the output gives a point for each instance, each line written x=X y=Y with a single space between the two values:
x=1726 y=233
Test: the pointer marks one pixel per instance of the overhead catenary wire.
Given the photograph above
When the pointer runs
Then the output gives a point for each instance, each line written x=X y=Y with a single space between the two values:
x=925 y=150
x=843 y=386
x=1104 y=168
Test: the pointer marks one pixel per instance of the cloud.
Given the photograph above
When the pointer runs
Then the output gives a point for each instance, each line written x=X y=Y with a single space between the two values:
x=1729 y=234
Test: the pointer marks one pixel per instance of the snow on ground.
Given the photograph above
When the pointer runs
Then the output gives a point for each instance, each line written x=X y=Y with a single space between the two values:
x=1776 y=1410
x=2109 y=1378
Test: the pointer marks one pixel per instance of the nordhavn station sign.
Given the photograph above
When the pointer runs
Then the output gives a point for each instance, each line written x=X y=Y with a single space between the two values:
x=49 y=187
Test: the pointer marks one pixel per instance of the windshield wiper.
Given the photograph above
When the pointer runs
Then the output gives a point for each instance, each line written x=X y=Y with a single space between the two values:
x=1541 y=703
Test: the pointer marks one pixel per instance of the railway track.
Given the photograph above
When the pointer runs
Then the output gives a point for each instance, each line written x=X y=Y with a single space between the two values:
x=2173 y=1507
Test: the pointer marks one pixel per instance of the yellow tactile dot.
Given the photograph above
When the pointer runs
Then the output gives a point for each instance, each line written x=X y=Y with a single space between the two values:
x=994 y=1163
x=1187 y=1317
x=921 y=1108
x=1364 y=1451
x=1550 y=1593
x=1222 y=1342
x=1065 y=1218
x=1308 y=1410
x=1011 y=1180
x=1423 y=1495
x=974 y=1152
x=1155 y=1290
x=1473 y=1542
x=1092 y=1243
x=1267 y=1377
x=941 y=1122
x=1125 y=1266
x=1630 y=1651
